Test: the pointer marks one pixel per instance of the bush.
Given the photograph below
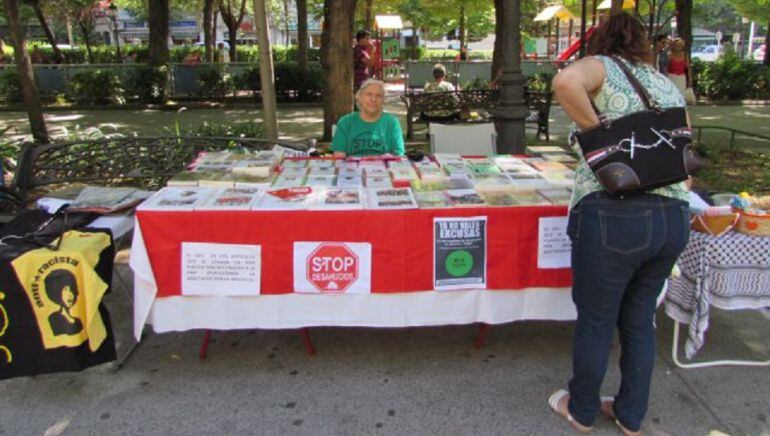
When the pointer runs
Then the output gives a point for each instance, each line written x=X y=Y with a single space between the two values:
x=291 y=84
x=150 y=84
x=246 y=129
x=10 y=86
x=294 y=84
x=96 y=87
x=215 y=81
x=731 y=78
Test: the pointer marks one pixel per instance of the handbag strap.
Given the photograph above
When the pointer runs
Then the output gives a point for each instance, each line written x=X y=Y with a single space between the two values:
x=640 y=90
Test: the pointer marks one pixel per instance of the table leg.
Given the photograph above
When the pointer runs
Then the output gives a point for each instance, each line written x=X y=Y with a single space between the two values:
x=481 y=336
x=204 y=344
x=307 y=341
x=675 y=357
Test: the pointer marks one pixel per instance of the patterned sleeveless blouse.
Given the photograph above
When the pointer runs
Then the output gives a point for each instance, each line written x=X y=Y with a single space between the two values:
x=616 y=98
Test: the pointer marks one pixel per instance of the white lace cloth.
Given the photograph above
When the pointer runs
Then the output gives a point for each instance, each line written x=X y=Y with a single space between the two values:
x=728 y=272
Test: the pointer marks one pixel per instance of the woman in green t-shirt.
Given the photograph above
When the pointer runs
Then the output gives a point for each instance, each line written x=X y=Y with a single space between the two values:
x=370 y=131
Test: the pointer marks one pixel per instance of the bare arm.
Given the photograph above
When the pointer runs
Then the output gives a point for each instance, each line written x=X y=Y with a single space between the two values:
x=574 y=86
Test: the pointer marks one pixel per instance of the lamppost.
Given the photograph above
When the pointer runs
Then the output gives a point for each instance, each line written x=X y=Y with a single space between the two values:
x=114 y=17
x=510 y=112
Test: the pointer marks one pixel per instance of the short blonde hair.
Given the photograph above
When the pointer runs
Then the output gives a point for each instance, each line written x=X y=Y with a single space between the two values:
x=369 y=82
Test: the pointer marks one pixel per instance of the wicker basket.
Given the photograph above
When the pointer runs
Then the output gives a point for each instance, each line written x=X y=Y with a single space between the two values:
x=714 y=225
x=754 y=224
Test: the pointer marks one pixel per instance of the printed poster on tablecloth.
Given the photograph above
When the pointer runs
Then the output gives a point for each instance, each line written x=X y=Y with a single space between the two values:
x=210 y=269
x=460 y=253
x=333 y=267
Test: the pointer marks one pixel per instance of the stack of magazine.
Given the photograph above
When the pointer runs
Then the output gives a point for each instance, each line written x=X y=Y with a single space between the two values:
x=269 y=181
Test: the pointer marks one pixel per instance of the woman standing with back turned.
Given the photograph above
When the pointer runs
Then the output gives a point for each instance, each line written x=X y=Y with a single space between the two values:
x=622 y=248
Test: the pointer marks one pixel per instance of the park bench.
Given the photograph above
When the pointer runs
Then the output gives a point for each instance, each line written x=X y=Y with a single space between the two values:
x=480 y=101
x=145 y=163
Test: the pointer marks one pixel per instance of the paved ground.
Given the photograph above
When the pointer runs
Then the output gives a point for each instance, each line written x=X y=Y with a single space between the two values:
x=415 y=381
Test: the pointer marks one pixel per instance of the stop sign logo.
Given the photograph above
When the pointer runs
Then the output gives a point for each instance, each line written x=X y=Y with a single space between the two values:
x=332 y=267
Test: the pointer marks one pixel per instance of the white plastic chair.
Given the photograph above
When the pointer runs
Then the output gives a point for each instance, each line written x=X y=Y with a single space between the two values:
x=467 y=139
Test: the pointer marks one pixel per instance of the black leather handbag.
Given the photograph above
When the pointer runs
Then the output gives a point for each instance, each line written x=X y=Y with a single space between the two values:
x=641 y=151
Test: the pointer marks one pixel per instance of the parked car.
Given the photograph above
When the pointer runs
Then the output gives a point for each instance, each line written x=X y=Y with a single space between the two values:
x=709 y=53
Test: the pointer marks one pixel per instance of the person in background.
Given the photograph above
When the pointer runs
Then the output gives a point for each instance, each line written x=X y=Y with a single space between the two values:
x=439 y=84
x=677 y=69
x=36 y=55
x=661 y=52
x=192 y=59
x=363 y=59
x=463 y=55
x=368 y=131
x=623 y=249
x=130 y=59
x=223 y=55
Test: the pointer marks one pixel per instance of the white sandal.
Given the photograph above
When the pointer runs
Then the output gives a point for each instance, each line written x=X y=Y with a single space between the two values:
x=553 y=402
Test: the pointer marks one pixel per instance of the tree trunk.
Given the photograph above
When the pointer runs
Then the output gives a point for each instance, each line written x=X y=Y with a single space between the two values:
x=766 y=60
x=368 y=15
x=266 y=74
x=26 y=75
x=209 y=6
x=302 y=37
x=462 y=27
x=501 y=34
x=684 y=26
x=86 y=32
x=233 y=22
x=337 y=61
x=57 y=54
x=287 y=37
x=617 y=7
x=159 y=33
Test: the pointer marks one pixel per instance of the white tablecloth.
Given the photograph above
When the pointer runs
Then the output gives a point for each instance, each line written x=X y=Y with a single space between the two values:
x=406 y=309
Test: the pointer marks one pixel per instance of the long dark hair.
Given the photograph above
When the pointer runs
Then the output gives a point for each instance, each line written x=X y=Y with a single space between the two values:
x=622 y=35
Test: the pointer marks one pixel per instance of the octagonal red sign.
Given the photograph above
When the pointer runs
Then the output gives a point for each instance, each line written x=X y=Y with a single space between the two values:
x=332 y=267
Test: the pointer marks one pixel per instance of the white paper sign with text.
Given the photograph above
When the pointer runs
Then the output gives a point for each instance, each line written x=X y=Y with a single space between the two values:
x=333 y=267
x=220 y=269
x=553 y=245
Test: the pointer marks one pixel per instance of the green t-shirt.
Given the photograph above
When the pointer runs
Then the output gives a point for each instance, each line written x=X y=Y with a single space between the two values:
x=356 y=137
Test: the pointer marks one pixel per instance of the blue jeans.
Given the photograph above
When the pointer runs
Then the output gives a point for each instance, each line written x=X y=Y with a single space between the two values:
x=622 y=252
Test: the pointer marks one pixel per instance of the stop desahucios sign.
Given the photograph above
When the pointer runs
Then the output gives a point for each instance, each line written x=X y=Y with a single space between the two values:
x=332 y=267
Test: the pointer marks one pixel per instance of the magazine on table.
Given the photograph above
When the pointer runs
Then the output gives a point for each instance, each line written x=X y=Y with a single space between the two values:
x=322 y=171
x=376 y=172
x=107 y=199
x=236 y=198
x=349 y=181
x=465 y=198
x=498 y=196
x=180 y=199
x=294 y=163
x=390 y=198
x=432 y=199
x=284 y=199
x=314 y=180
x=378 y=182
x=337 y=198
x=480 y=180
x=530 y=198
x=350 y=171
x=556 y=195
x=282 y=181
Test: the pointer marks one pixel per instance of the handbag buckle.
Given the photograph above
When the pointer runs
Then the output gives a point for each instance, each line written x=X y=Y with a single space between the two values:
x=605 y=121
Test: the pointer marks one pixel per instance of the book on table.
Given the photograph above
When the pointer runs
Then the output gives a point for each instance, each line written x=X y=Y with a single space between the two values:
x=294 y=171
x=313 y=180
x=465 y=198
x=297 y=198
x=556 y=195
x=337 y=198
x=432 y=199
x=498 y=196
x=236 y=198
x=102 y=199
x=179 y=199
x=282 y=181
x=378 y=182
x=390 y=198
